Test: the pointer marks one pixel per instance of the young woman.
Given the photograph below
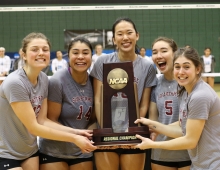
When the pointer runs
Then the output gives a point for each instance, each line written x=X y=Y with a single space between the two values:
x=70 y=103
x=23 y=104
x=208 y=61
x=199 y=115
x=164 y=106
x=125 y=37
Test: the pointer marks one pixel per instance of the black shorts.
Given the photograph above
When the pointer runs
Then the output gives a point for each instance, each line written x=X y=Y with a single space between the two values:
x=44 y=159
x=122 y=151
x=180 y=164
x=12 y=163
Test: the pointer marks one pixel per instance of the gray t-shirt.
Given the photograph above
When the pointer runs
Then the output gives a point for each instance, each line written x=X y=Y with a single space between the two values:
x=77 y=103
x=203 y=103
x=165 y=97
x=15 y=140
x=144 y=77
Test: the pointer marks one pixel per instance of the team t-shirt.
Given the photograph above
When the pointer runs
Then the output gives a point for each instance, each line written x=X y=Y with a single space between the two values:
x=15 y=140
x=165 y=97
x=203 y=103
x=77 y=104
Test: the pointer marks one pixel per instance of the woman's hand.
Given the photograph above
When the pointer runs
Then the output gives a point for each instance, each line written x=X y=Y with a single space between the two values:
x=83 y=132
x=143 y=121
x=145 y=144
x=85 y=144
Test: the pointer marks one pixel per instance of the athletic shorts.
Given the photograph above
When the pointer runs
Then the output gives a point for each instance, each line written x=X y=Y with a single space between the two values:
x=44 y=159
x=120 y=151
x=12 y=163
x=180 y=164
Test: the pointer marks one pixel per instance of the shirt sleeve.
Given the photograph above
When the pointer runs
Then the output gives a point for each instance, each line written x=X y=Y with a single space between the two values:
x=15 y=90
x=199 y=106
x=151 y=79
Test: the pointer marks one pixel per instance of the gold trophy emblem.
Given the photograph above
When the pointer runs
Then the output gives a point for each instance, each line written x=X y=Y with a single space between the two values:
x=117 y=78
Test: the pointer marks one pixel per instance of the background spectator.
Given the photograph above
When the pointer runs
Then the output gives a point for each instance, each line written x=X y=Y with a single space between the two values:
x=58 y=63
x=5 y=63
x=98 y=53
x=208 y=61
x=142 y=52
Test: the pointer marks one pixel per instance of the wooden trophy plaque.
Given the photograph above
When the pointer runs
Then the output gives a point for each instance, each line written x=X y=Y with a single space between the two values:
x=119 y=108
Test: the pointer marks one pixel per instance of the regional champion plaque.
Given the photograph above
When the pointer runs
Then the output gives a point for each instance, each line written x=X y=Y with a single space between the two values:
x=119 y=108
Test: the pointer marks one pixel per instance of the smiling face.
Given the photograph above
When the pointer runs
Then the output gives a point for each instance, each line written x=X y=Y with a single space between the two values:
x=162 y=55
x=125 y=37
x=185 y=72
x=37 y=53
x=80 y=57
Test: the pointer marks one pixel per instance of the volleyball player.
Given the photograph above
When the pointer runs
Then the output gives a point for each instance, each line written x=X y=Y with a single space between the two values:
x=164 y=106
x=125 y=37
x=199 y=115
x=70 y=103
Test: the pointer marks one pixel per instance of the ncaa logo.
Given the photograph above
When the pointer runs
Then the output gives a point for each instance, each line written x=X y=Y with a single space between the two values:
x=117 y=78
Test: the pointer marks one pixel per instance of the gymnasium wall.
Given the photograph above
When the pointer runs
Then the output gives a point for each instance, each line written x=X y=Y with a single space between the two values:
x=197 y=27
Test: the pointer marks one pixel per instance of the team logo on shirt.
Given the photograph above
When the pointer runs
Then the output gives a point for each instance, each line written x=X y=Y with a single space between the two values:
x=36 y=104
x=117 y=78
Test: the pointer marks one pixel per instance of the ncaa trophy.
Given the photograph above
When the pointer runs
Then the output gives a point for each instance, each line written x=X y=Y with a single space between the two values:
x=119 y=107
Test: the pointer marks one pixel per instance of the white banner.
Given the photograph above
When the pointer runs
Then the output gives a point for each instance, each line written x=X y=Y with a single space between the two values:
x=107 y=7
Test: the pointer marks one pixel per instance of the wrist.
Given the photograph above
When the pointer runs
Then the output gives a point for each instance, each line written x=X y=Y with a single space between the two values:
x=156 y=145
x=74 y=137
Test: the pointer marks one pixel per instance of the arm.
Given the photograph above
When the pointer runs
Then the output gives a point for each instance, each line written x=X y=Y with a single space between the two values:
x=153 y=112
x=194 y=128
x=172 y=130
x=97 y=97
x=145 y=100
x=153 y=115
x=25 y=113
